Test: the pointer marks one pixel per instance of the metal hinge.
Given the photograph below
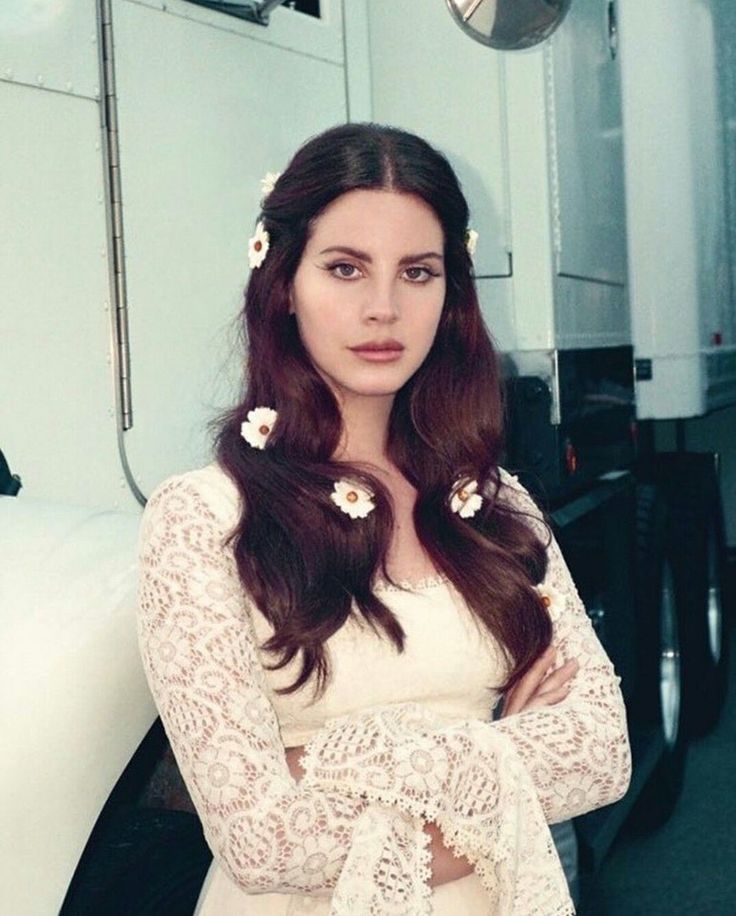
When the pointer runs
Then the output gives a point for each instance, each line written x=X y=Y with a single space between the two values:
x=111 y=150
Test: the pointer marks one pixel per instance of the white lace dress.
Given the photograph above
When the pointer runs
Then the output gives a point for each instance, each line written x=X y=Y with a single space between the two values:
x=396 y=740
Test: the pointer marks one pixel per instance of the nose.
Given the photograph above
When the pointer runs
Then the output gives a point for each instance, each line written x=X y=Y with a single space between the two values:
x=381 y=307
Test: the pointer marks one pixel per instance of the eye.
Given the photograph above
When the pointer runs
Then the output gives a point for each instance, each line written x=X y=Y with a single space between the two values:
x=417 y=274
x=343 y=270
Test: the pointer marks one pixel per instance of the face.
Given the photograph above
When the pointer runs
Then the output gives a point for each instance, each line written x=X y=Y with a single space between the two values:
x=369 y=290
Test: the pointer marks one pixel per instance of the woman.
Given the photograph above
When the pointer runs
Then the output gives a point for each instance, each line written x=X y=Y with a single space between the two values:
x=329 y=613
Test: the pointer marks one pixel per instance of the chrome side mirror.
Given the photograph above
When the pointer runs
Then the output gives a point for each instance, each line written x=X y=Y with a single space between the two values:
x=509 y=25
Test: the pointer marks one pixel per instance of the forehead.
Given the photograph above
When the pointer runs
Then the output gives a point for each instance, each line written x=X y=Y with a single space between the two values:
x=377 y=218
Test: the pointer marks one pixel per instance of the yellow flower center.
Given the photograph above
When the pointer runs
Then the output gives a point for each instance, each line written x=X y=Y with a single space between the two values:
x=546 y=600
x=257 y=245
x=351 y=496
x=463 y=495
x=264 y=430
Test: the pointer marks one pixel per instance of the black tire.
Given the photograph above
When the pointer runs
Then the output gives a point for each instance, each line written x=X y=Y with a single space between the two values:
x=657 y=701
x=144 y=862
x=696 y=551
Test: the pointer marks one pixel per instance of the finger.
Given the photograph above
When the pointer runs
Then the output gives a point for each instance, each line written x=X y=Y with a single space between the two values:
x=548 y=699
x=526 y=686
x=559 y=677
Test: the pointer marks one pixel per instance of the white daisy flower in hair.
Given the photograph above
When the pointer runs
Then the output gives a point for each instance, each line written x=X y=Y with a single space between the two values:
x=465 y=500
x=471 y=241
x=268 y=183
x=258 y=246
x=552 y=599
x=257 y=428
x=353 y=499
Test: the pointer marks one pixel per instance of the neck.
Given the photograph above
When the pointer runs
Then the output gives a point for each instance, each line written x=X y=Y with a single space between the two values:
x=365 y=429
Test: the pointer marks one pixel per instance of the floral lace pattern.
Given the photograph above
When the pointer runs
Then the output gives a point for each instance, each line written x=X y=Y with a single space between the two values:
x=352 y=830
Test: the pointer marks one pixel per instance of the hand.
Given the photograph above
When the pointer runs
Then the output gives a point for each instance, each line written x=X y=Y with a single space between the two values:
x=540 y=686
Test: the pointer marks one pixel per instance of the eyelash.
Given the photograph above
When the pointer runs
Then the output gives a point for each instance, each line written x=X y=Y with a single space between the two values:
x=334 y=270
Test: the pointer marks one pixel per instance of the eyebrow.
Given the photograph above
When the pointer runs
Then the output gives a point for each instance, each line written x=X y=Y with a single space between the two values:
x=364 y=256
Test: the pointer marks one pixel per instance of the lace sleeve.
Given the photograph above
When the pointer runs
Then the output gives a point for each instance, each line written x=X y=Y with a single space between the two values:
x=268 y=833
x=577 y=751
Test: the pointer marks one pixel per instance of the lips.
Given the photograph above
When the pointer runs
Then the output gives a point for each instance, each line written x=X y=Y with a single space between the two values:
x=379 y=346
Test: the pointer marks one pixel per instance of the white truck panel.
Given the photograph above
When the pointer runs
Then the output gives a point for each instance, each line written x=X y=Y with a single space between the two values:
x=681 y=288
x=75 y=704
x=57 y=413
x=586 y=146
x=51 y=44
x=564 y=166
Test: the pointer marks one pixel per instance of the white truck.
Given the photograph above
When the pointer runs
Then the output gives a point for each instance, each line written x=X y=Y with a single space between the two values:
x=598 y=155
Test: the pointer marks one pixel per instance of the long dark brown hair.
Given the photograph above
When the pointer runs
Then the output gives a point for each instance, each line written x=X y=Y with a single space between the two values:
x=307 y=566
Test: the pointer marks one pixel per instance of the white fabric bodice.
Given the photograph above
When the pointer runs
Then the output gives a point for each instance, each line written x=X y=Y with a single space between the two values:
x=447 y=664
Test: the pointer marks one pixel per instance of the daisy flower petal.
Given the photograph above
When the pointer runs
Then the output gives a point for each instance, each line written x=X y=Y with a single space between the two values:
x=552 y=599
x=258 y=245
x=268 y=183
x=465 y=500
x=257 y=428
x=471 y=241
x=352 y=499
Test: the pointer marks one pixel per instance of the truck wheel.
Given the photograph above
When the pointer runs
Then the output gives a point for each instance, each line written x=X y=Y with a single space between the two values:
x=658 y=699
x=143 y=862
x=696 y=549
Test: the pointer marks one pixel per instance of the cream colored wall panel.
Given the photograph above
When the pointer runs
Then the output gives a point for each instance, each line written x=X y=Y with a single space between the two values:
x=430 y=78
x=50 y=44
x=56 y=412
x=287 y=29
x=202 y=118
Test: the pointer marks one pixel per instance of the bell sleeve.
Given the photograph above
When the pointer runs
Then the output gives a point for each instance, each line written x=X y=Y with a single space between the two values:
x=268 y=833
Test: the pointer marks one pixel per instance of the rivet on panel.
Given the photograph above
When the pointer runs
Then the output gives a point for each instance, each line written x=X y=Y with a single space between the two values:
x=39 y=79
x=69 y=87
x=9 y=73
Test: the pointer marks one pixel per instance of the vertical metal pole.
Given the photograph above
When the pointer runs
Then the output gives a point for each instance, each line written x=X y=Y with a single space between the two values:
x=120 y=341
